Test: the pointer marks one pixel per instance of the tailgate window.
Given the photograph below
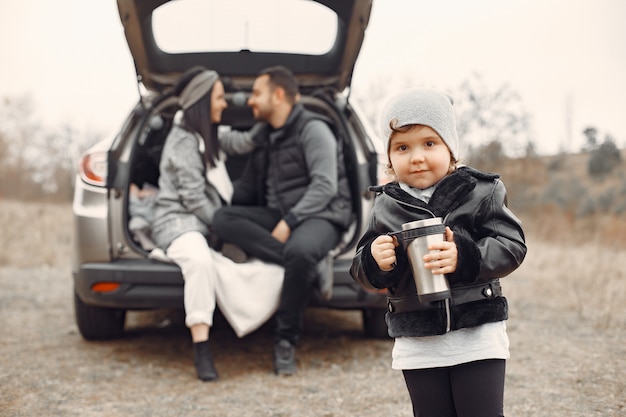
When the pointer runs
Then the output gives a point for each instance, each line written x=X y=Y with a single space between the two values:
x=284 y=26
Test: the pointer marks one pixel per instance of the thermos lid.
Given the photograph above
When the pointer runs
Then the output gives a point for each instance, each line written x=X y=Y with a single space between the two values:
x=421 y=223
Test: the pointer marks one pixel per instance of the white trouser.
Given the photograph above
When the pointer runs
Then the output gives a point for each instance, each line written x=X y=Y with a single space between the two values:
x=192 y=254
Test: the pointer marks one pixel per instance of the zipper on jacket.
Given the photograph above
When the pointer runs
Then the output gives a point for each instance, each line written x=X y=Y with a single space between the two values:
x=448 y=317
x=414 y=206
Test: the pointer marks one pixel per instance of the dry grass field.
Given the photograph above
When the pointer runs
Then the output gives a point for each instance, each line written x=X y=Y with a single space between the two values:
x=567 y=328
x=35 y=234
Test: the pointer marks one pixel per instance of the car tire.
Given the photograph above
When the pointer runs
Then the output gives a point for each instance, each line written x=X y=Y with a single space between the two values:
x=374 y=324
x=98 y=323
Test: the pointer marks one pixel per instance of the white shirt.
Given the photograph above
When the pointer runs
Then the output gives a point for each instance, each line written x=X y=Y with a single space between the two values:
x=488 y=341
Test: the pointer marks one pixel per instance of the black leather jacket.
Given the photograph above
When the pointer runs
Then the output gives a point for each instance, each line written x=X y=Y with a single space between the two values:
x=490 y=243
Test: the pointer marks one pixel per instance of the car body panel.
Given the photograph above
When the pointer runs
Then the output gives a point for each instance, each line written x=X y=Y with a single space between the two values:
x=90 y=220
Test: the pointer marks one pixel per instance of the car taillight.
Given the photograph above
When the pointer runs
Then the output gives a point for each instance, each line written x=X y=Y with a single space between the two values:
x=104 y=287
x=93 y=168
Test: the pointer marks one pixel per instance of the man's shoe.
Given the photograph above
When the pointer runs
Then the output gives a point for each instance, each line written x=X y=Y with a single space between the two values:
x=284 y=358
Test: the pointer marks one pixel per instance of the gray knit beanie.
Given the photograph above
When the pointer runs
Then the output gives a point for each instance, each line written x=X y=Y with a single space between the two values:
x=422 y=106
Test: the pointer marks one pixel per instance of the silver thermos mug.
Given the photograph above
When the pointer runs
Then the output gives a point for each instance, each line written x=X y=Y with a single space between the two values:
x=417 y=236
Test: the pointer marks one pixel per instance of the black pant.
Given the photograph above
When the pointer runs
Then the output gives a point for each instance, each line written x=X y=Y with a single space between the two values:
x=250 y=228
x=474 y=389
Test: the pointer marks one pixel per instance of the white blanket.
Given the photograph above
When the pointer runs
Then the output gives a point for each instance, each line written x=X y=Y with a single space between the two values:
x=247 y=293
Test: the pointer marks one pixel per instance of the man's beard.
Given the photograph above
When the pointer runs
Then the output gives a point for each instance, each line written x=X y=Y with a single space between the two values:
x=260 y=114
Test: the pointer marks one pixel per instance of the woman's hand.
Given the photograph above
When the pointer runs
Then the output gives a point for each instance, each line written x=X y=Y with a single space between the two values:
x=444 y=256
x=384 y=252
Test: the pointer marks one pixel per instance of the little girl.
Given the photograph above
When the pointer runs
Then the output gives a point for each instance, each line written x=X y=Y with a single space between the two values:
x=452 y=352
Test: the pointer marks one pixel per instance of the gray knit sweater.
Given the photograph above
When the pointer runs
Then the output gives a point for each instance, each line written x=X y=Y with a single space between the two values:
x=186 y=200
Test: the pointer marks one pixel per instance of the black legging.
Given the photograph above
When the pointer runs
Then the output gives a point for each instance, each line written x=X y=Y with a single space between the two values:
x=250 y=228
x=474 y=389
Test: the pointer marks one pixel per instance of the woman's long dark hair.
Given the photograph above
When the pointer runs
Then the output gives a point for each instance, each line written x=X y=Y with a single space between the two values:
x=197 y=118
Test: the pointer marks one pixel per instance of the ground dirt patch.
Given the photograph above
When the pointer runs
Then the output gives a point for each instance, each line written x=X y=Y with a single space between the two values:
x=567 y=329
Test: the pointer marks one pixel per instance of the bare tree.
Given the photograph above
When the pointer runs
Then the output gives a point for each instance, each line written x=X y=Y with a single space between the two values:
x=36 y=162
x=17 y=128
x=370 y=100
x=487 y=115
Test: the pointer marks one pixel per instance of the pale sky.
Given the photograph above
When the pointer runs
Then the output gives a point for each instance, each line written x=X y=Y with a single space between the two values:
x=71 y=57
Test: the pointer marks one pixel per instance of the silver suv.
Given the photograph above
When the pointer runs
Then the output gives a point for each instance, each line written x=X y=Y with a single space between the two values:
x=318 y=40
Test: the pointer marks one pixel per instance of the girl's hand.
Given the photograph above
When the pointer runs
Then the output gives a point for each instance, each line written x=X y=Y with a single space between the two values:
x=384 y=252
x=444 y=256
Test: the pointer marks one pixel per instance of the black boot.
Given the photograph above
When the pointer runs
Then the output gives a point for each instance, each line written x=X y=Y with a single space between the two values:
x=204 y=362
x=284 y=358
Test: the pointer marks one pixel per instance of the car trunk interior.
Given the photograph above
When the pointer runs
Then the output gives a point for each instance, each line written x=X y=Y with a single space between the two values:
x=147 y=151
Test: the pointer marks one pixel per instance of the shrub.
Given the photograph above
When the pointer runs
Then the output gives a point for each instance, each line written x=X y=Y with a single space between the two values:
x=604 y=159
x=565 y=194
x=586 y=208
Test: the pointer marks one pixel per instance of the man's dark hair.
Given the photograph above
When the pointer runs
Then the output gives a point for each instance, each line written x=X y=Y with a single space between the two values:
x=282 y=77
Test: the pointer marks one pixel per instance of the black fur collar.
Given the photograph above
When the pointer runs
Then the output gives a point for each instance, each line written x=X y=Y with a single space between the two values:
x=449 y=193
